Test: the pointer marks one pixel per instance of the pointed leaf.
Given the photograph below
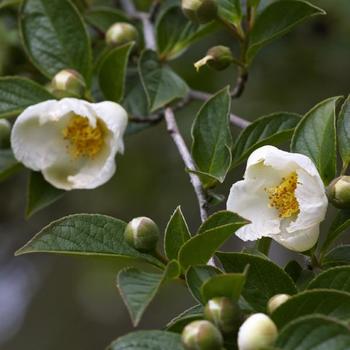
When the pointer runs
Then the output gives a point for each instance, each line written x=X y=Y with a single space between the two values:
x=178 y=323
x=230 y=11
x=343 y=133
x=8 y=164
x=219 y=218
x=337 y=256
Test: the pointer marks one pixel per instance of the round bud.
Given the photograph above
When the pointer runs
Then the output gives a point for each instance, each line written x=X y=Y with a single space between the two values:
x=68 y=83
x=199 y=11
x=224 y=313
x=218 y=58
x=121 y=33
x=257 y=333
x=201 y=335
x=276 y=301
x=142 y=233
x=338 y=192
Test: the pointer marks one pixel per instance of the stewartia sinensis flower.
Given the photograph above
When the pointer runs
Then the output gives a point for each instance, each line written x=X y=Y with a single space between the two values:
x=283 y=196
x=72 y=142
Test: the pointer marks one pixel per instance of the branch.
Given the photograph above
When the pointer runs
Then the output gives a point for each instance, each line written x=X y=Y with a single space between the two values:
x=187 y=159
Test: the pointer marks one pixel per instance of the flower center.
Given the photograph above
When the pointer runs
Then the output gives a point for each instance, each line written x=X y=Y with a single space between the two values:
x=282 y=197
x=84 y=140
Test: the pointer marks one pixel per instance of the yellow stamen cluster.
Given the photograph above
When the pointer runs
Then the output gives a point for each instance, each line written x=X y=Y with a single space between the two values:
x=282 y=197
x=84 y=140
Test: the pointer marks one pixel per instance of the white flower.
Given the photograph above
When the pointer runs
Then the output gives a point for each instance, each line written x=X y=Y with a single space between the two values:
x=283 y=197
x=72 y=142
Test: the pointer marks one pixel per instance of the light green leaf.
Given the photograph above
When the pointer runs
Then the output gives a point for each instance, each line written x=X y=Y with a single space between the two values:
x=315 y=137
x=230 y=11
x=337 y=256
x=178 y=323
x=314 y=333
x=112 y=71
x=85 y=234
x=8 y=164
x=54 y=37
x=152 y=340
x=264 y=279
x=335 y=304
x=212 y=141
x=162 y=85
x=40 y=194
x=268 y=130
x=343 y=133
x=176 y=234
x=277 y=19
x=18 y=93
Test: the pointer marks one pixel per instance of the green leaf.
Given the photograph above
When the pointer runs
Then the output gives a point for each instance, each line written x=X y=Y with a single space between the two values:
x=217 y=219
x=314 y=136
x=152 y=340
x=7 y=3
x=264 y=279
x=343 y=133
x=336 y=278
x=178 y=323
x=162 y=85
x=230 y=11
x=40 y=194
x=278 y=19
x=176 y=234
x=314 y=333
x=175 y=32
x=200 y=248
x=54 y=37
x=212 y=141
x=335 y=304
x=112 y=71
x=228 y=285
x=337 y=256
x=18 y=93
x=268 y=130
x=340 y=223
x=138 y=288
x=103 y=17
x=196 y=276
x=8 y=164
x=85 y=234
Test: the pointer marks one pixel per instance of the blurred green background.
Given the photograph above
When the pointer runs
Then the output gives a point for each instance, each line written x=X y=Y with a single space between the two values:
x=56 y=302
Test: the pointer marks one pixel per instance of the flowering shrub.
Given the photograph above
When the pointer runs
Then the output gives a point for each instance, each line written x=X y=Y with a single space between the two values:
x=69 y=126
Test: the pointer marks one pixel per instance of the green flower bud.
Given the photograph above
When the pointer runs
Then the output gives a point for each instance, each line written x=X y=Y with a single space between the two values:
x=68 y=83
x=338 y=192
x=142 y=233
x=224 y=313
x=276 y=301
x=218 y=58
x=200 y=11
x=258 y=332
x=121 y=33
x=201 y=335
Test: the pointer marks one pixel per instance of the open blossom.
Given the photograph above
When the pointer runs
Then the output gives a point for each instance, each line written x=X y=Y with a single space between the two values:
x=71 y=141
x=283 y=197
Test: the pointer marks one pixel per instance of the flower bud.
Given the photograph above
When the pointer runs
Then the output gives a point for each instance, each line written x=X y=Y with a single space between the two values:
x=201 y=335
x=199 y=11
x=224 y=313
x=257 y=333
x=276 y=301
x=338 y=192
x=68 y=83
x=218 y=58
x=142 y=233
x=121 y=33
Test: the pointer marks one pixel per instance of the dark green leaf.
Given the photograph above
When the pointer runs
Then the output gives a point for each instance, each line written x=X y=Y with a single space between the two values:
x=337 y=256
x=230 y=11
x=54 y=36
x=162 y=85
x=178 y=323
x=18 y=93
x=40 y=194
x=6 y=3
x=112 y=71
x=152 y=340
x=176 y=234
x=314 y=333
x=293 y=269
x=264 y=279
x=219 y=218
x=278 y=19
x=212 y=141
x=343 y=133
x=269 y=130
x=8 y=164
x=335 y=304
x=314 y=136
x=85 y=234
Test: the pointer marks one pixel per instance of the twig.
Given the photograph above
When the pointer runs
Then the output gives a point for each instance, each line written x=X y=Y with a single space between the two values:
x=187 y=159
x=152 y=119
x=239 y=87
